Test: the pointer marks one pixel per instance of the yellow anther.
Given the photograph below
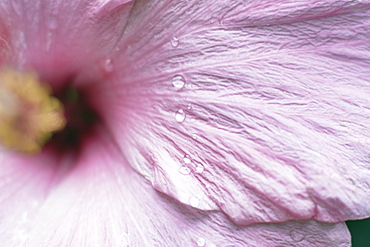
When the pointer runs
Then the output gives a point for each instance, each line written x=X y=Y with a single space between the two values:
x=28 y=113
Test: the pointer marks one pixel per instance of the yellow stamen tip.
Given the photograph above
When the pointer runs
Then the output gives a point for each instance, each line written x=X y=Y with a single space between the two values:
x=28 y=113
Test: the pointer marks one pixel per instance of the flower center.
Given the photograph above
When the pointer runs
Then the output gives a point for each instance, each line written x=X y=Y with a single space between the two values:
x=28 y=114
x=30 y=117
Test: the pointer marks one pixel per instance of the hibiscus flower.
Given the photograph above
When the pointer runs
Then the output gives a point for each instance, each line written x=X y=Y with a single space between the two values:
x=191 y=123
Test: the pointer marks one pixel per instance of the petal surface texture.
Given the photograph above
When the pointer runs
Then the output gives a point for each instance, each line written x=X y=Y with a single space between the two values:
x=60 y=38
x=250 y=108
x=256 y=108
x=103 y=202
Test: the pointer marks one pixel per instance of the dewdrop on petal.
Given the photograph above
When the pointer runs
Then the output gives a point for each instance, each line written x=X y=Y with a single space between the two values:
x=28 y=113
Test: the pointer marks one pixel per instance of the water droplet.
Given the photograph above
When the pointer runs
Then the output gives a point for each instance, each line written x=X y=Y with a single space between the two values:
x=178 y=81
x=190 y=105
x=180 y=116
x=297 y=235
x=175 y=41
x=194 y=136
x=187 y=159
x=194 y=201
x=108 y=65
x=184 y=170
x=201 y=242
x=199 y=168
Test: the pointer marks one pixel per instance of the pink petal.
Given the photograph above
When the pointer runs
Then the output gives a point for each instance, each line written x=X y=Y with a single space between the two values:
x=103 y=202
x=268 y=12
x=5 y=50
x=277 y=115
x=25 y=182
x=61 y=38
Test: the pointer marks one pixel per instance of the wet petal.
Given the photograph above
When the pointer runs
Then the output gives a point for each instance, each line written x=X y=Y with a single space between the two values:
x=265 y=122
x=103 y=202
x=59 y=38
x=268 y=12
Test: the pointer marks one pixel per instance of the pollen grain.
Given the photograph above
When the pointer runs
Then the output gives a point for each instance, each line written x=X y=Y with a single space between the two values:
x=28 y=113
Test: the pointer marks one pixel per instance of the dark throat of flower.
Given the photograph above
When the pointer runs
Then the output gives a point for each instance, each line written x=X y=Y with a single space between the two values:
x=80 y=119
